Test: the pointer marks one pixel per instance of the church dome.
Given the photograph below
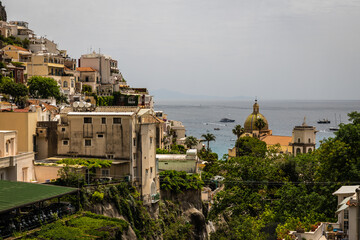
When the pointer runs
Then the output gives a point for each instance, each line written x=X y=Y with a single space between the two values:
x=249 y=124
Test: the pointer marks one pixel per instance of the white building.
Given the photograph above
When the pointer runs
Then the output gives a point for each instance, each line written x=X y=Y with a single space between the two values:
x=14 y=165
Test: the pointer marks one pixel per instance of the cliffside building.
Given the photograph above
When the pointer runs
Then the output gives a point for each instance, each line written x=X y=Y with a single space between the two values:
x=127 y=135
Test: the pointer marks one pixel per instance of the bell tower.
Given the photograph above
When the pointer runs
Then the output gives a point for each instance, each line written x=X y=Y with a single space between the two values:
x=303 y=139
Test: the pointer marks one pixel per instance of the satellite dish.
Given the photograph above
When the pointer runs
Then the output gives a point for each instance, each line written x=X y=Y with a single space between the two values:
x=75 y=104
x=81 y=104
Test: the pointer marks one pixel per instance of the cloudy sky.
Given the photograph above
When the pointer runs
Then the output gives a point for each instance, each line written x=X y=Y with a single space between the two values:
x=273 y=49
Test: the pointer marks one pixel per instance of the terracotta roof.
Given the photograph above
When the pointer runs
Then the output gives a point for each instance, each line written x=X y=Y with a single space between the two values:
x=15 y=110
x=86 y=69
x=273 y=139
x=17 y=47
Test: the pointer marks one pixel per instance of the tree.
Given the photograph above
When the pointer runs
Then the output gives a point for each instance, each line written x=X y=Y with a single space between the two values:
x=17 y=90
x=208 y=138
x=260 y=124
x=191 y=142
x=249 y=146
x=238 y=130
x=43 y=87
x=86 y=89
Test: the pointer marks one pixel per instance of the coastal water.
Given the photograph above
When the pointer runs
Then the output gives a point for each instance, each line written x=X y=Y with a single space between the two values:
x=201 y=117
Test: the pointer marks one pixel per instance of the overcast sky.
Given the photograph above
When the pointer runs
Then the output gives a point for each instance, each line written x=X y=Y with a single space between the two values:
x=273 y=49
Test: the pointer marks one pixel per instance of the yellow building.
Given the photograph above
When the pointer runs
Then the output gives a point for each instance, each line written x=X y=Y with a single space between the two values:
x=18 y=54
x=284 y=142
x=24 y=122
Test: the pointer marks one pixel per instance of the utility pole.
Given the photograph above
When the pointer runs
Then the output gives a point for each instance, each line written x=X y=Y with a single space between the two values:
x=358 y=213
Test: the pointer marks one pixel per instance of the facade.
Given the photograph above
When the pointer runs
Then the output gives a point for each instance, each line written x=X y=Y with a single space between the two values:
x=14 y=166
x=303 y=139
x=105 y=65
x=89 y=76
x=18 y=54
x=127 y=135
x=347 y=210
x=24 y=122
x=188 y=162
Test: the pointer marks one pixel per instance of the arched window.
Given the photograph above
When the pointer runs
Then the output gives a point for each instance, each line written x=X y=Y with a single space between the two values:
x=298 y=150
x=298 y=140
x=309 y=150
x=309 y=140
x=65 y=84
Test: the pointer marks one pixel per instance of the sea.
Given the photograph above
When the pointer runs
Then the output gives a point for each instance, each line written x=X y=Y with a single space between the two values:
x=201 y=117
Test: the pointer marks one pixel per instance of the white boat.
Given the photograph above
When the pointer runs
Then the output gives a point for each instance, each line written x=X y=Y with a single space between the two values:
x=336 y=127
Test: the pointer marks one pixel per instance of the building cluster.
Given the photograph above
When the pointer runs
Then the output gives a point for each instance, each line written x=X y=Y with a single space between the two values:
x=34 y=138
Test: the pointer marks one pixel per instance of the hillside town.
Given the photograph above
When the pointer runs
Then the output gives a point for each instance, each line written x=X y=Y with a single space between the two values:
x=77 y=141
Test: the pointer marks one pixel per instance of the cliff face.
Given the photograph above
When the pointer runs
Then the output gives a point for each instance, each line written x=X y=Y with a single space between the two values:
x=3 y=16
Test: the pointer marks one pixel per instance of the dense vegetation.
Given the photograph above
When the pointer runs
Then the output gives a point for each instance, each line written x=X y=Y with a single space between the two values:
x=14 y=41
x=179 y=181
x=264 y=192
x=86 y=226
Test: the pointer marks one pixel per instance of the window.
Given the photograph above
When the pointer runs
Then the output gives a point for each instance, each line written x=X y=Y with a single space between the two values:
x=103 y=120
x=72 y=83
x=105 y=172
x=151 y=170
x=87 y=142
x=65 y=84
x=346 y=226
x=134 y=156
x=151 y=140
x=63 y=129
x=117 y=121
x=309 y=140
x=7 y=147
x=134 y=142
x=298 y=140
x=65 y=142
x=87 y=120
x=346 y=214
x=298 y=150
x=86 y=79
x=309 y=150
x=100 y=135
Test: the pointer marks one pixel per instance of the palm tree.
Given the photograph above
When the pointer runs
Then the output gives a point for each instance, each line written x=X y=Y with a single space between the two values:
x=191 y=141
x=208 y=138
x=260 y=124
x=238 y=130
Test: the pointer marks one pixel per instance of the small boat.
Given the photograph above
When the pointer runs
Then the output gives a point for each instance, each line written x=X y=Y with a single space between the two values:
x=216 y=128
x=324 y=121
x=334 y=129
x=227 y=120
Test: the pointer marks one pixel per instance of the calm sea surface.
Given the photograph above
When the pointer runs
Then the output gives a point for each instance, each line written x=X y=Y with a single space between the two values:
x=201 y=117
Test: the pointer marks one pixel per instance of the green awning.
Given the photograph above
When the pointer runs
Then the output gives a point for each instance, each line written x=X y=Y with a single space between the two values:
x=19 y=194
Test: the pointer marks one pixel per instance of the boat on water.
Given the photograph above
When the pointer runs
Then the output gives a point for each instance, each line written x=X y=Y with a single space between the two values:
x=323 y=121
x=216 y=128
x=227 y=120
x=336 y=127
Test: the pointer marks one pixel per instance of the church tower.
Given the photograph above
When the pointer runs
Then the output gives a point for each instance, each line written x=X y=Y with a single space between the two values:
x=249 y=124
x=303 y=139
